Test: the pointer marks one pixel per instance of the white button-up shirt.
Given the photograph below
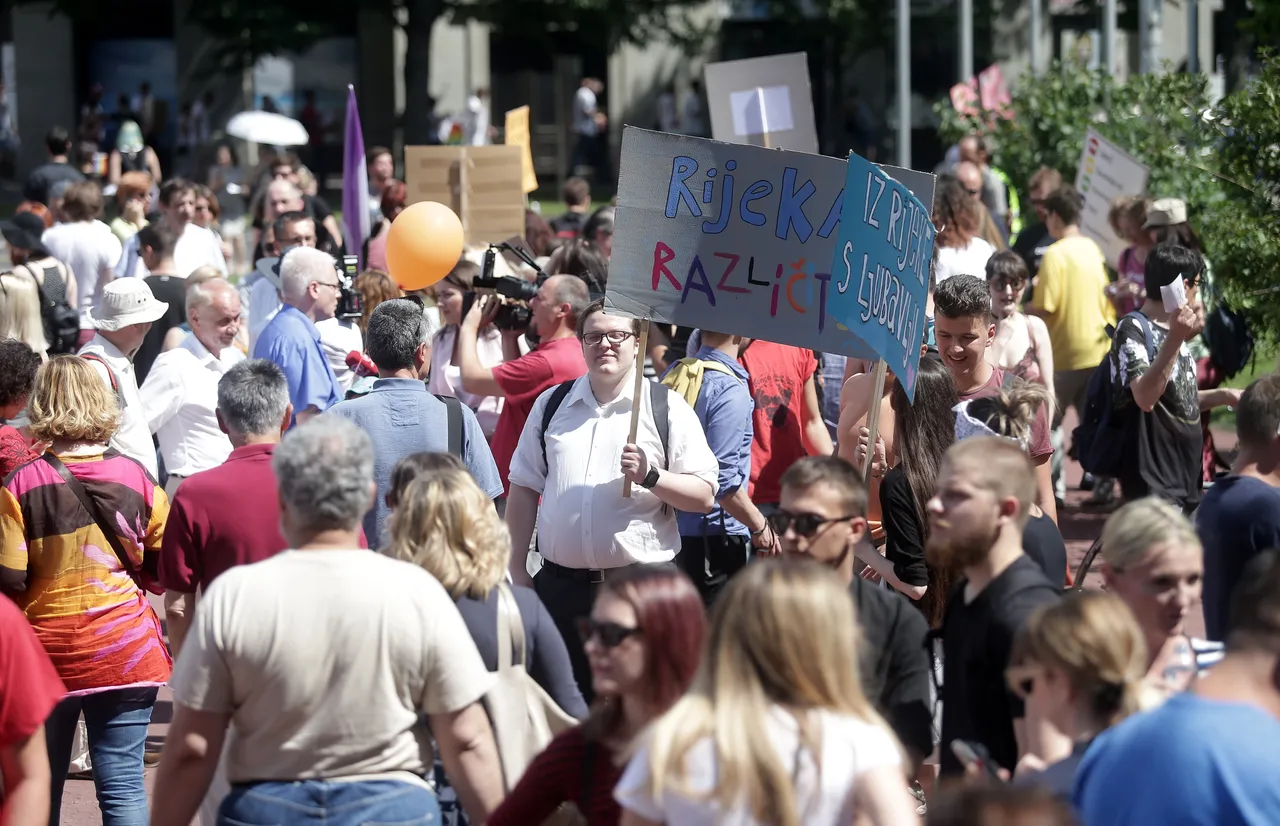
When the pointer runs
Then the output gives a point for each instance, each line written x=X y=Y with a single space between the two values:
x=180 y=397
x=133 y=439
x=195 y=248
x=585 y=522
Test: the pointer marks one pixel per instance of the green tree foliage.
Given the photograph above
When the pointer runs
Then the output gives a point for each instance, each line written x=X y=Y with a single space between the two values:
x=1223 y=160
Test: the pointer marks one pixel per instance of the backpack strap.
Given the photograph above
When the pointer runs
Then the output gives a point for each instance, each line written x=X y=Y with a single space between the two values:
x=549 y=412
x=95 y=513
x=660 y=403
x=111 y=376
x=453 y=410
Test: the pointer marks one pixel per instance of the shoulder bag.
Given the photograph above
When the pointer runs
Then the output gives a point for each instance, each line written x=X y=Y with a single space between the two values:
x=95 y=513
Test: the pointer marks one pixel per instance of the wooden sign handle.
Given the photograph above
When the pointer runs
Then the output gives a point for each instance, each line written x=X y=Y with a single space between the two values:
x=873 y=419
x=637 y=401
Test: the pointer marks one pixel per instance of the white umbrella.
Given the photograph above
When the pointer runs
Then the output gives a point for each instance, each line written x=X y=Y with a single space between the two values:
x=268 y=128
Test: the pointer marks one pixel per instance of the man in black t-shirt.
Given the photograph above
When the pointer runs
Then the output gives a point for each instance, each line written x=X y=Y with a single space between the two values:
x=985 y=490
x=822 y=514
x=156 y=243
x=39 y=181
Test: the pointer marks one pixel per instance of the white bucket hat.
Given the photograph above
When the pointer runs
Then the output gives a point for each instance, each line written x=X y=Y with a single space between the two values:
x=126 y=301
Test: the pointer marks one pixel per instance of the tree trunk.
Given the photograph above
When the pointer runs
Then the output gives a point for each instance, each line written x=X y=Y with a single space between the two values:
x=418 y=120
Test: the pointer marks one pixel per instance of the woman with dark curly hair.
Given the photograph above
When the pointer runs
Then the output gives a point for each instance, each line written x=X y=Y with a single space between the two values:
x=18 y=365
x=958 y=249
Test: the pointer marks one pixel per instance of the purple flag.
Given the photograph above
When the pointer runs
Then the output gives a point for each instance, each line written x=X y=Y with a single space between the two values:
x=355 y=181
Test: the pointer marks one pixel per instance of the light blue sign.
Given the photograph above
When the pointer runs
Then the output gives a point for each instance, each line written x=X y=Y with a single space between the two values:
x=880 y=275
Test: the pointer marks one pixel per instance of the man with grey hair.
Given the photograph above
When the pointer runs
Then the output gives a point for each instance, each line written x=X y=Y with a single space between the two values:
x=309 y=286
x=402 y=418
x=180 y=393
x=228 y=515
x=561 y=299
x=291 y=650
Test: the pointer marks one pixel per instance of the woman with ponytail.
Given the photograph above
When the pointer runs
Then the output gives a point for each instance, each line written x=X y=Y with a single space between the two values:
x=1011 y=414
x=775 y=728
x=1079 y=666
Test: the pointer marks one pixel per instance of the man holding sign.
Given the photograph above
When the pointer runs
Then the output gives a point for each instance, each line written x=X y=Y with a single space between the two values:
x=575 y=452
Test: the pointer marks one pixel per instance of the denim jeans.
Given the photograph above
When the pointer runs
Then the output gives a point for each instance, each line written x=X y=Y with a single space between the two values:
x=117 y=723
x=328 y=803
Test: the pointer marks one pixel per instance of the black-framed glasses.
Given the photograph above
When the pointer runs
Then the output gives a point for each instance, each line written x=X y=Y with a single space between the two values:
x=805 y=524
x=614 y=337
x=336 y=285
x=610 y=634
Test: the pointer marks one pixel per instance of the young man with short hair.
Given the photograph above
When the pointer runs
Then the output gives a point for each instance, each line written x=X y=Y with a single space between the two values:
x=1240 y=515
x=587 y=530
x=1159 y=384
x=823 y=515
x=976 y=518
x=964 y=328
x=577 y=202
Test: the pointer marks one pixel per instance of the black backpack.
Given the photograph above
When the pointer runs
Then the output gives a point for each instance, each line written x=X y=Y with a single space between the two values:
x=1104 y=436
x=61 y=322
x=1228 y=337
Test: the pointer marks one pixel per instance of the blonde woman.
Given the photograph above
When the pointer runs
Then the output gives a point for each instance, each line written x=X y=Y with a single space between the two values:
x=84 y=590
x=20 y=312
x=1078 y=664
x=775 y=728
x=446 y=524
x=1152 y=559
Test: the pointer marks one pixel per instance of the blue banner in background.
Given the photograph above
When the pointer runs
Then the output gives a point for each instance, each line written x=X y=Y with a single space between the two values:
x=880 y=275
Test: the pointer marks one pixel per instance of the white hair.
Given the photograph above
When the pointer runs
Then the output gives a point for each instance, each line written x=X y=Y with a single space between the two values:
x=324 y=471
x=292 y=188
x=202 y=293
x=301 y=266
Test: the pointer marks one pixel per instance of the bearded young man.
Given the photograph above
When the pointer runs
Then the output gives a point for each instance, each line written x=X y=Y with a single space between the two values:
x=985 y=491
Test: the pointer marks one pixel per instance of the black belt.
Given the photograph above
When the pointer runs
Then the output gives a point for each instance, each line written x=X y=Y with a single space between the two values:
x=593 y=576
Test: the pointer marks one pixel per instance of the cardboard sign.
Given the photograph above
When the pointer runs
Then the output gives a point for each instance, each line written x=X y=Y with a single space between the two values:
x=517 y=134
x=880 y=275
x=764 y=101
x=732 y=238
x=484 y=185
x=1106 y=172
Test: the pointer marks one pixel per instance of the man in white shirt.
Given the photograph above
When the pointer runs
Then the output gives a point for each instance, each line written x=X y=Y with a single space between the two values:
x=196 y=246
x=122 y=319
x=588 y=529
x=180 y=394
x=589 y=125
x=85 y=244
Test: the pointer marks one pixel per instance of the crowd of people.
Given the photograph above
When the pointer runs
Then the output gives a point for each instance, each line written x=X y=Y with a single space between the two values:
x=423 y=561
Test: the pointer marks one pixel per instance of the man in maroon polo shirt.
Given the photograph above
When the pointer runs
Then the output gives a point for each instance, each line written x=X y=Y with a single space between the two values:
x=228 y=515
x=521 y=379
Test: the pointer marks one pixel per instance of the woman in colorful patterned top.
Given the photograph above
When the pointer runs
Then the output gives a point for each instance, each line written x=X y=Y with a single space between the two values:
x=87 y=601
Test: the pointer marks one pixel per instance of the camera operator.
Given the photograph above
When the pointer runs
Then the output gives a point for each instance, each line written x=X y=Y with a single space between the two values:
x=521 y=379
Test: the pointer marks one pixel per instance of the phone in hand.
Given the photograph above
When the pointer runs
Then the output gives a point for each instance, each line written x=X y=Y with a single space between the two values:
x=973 y=754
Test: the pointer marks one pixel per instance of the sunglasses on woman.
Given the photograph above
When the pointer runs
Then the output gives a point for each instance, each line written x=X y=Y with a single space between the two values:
x=610 y=634
x=805 y=524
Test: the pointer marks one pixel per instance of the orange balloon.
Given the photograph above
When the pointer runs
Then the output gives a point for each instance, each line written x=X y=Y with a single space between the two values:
x=423 y=245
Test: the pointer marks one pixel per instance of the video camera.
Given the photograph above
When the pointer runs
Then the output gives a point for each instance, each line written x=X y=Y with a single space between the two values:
x=515 y=314
x=350 y=302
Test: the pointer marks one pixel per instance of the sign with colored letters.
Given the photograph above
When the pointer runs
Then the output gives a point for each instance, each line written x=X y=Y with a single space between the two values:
x=880 y=275
x=736 y=239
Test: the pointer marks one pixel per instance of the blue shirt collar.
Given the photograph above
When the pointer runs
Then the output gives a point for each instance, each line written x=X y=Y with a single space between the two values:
x=399 y=384
x=711 y=354
x=289 y=309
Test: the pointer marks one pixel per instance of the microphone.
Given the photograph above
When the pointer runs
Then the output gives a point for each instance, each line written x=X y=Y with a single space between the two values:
x=360 y=364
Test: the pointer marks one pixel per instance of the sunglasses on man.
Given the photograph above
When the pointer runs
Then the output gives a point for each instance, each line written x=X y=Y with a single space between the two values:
x=805 y=524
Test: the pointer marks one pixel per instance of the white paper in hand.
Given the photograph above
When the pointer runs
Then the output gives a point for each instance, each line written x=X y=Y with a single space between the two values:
x=1174 y=295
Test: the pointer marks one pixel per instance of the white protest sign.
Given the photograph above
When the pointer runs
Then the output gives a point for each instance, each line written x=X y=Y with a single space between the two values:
x=763 y=101
x=1106 y=172
x=732 y=238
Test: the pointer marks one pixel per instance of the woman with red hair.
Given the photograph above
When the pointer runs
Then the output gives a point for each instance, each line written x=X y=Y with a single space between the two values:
x=644 y=639
x=375 y=249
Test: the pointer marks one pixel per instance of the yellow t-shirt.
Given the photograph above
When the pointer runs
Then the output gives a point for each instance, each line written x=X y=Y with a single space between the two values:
x=1070 y=296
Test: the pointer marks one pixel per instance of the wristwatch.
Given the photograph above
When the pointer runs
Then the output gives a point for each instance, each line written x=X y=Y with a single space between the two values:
x=650 y=479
